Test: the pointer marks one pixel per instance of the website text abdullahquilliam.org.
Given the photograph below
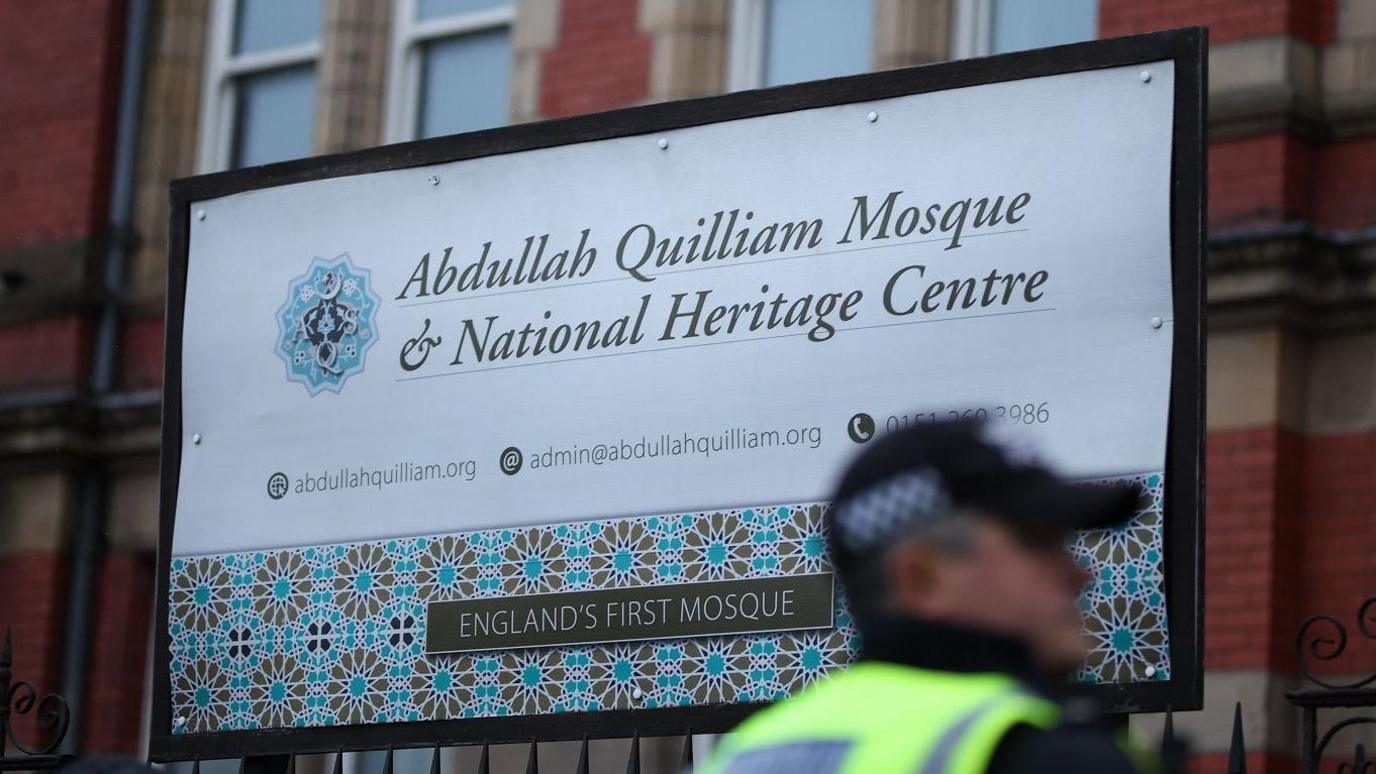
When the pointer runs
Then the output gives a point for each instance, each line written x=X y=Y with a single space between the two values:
x=362 y=477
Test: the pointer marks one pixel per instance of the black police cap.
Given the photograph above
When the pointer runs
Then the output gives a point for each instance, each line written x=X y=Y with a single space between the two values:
x=924 y=473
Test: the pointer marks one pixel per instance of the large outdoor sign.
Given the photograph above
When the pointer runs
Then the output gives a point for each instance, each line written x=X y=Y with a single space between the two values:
x=538 y=425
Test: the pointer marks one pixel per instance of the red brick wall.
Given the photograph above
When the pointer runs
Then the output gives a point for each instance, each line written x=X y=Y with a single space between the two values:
x=1250 y=545
x=1257 y=763
x=1338 y=549
x=1276 y=178
x=1227 y=20
x=119 y=654
x=1344 y=185
x=1275 y=763
x=140 y=354
x=1290 y=533
x=61 y=65
x=43 y=354
x=59 y=87
x=32 y=605
x=1253 y=181
x=602 y=59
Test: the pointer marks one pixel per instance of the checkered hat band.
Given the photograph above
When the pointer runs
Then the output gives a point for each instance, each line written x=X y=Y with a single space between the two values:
x=891 y=508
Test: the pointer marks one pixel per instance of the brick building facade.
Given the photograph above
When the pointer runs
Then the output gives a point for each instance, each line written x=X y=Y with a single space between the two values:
x=1291 y=509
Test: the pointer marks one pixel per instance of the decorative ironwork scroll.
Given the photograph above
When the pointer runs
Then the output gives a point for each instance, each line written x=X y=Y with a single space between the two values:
x=1324 y=638
x=20 y=698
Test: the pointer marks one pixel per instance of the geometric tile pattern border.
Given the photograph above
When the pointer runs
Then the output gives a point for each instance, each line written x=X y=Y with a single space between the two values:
x=1124 y=603
x=333 y=635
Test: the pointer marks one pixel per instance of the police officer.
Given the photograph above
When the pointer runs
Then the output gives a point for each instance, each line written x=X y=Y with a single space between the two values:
x=951 y=545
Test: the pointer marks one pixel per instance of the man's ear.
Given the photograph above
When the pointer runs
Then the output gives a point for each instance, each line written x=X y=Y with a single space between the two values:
x=911 y=573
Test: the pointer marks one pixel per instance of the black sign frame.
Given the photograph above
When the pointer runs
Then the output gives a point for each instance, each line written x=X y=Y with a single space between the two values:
x=1183 y=500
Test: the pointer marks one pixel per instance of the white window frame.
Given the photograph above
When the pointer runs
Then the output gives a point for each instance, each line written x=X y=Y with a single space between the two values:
x=219 y=91
x=409 y=37
x=972 y=28
x=745 y=45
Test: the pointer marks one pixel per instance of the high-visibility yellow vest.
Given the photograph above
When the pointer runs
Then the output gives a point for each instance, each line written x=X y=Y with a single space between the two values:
x=880 y=717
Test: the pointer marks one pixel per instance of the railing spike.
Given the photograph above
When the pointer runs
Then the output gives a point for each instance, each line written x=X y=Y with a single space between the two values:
x=1174 y=752
x=533 y=760
x=633 y=763
x=685 y=762
x=6 y=661
x=339 y=762
x=387 y=762
x=291 y=763
x=582 y=758
x=435 y=767
x=482 y=761
x=196 y=765
x=1237 y=751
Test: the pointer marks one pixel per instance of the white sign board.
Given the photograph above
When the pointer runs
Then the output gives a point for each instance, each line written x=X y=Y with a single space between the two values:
x=549 y=426
x=693 y=326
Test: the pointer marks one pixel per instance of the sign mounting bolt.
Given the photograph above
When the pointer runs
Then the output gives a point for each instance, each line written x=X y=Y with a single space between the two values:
x=181 y=720
x=1145 y=76
x=636 y=694
x=200 y=214
x=1156 y=322
x=663 y=143
x=1150 y=671
x=434 y=180
x=872 y=117
x=196 y=439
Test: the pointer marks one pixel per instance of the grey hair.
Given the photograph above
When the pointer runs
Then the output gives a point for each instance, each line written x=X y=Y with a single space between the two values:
x=951 y=536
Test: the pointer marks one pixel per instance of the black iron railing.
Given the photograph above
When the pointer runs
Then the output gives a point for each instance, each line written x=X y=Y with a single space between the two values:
x=286 y=764
x=1325 y=638
x=19 y=698
x=1320 y=639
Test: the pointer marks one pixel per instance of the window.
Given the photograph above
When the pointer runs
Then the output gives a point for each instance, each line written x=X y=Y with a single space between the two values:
x=983 y=27
x=450 y=68
x=786 y=41
x=259 y=101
